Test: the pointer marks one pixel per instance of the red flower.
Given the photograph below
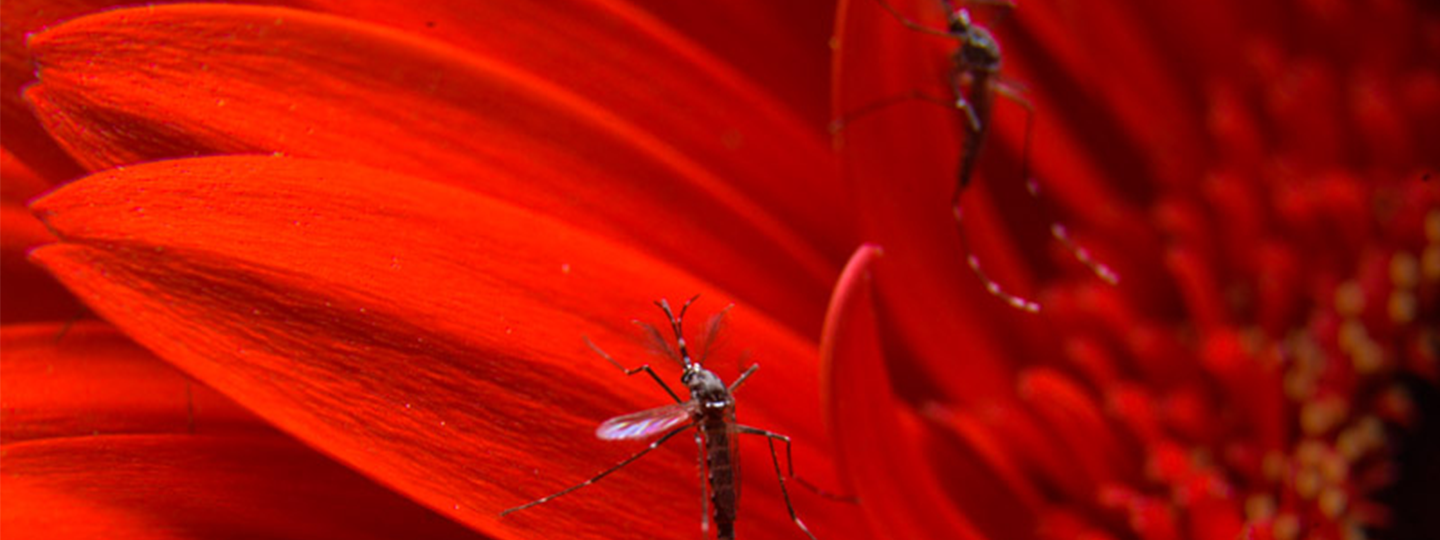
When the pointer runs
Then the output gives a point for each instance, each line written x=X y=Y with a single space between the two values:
x=405 y=231
x=1257 y=177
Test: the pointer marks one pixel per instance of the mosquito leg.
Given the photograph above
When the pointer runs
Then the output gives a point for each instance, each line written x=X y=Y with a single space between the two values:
x=602 y=474
x=991 y=286
x=189 y=407
x=911 y=24
x=790 y=463
x=784 y=492
x=741 y=379
x=1015 y=93
x=69 y=323
x=645 y=368
x=838 y=125
x=704 y=488
x=994 y=3
x=972 y=120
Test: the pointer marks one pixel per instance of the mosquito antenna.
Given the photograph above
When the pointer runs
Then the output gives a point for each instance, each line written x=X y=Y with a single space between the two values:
x=675 y=324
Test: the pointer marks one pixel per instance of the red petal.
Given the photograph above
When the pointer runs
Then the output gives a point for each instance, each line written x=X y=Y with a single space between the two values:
x=21 y=182
x=186 y=486
x=1072 y=417
x=88 y=379
x=30 y=293
x=1097 y=67
x=981 y=475
x=684 y=49
x=309 y=85
x=785 y=45
x=898 y=493
x=426 y=335
x=22 y=133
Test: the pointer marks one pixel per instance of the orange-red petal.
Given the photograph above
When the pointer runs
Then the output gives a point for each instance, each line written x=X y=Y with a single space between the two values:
x=86 y=379
x=128 y=86
x=167 y=486
x=898 y=492
x=425 y=335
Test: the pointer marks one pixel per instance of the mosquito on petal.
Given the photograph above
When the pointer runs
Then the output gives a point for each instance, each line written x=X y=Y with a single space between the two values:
x=974 y=82
x=710 y=411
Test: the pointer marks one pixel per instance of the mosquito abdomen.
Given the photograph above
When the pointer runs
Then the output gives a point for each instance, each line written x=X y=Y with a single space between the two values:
x=721 y=462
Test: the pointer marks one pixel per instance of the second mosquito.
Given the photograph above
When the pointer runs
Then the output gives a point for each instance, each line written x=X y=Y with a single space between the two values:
x=710 y=411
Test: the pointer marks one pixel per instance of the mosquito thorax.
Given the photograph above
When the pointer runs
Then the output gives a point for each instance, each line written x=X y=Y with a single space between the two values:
x=707 y=388
x=981 y=51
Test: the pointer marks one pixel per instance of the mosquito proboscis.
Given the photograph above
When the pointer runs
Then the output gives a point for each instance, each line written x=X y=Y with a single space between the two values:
x=710 y=411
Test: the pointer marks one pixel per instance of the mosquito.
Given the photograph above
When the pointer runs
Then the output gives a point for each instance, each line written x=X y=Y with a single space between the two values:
x=975 y=81
x=710 y=411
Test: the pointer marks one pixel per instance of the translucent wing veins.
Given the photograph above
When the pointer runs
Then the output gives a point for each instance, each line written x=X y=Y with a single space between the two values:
x=646 y=423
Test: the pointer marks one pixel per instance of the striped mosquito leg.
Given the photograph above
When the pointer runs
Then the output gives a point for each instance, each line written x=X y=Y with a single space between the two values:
x=790 y=466
x=1062 y=234
x=69 y=323
x=645 y=368
x=704 y=488
x=1015 y=301
x=602 y=474
x=1058 y=230
x=775 y=459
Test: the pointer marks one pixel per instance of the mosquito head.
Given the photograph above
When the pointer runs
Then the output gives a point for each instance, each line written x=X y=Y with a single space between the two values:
x=676 y=321
x=960 y=24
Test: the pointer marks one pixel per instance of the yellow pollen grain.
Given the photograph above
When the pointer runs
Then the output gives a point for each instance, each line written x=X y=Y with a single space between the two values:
x=1332 y=502
x=1430 y=263
x=1308 y=354
x=1286 y=527
x=1357 y=440
x=1353 y=531
x=1309 y=452
x=1320 y=416
x=1259 y=507
x=1307 y=483
x=1333 y=469
x=1349 y=299
x=1402 y=307
x=1373 y=430
x=1368 y=358
x=1351 y=334
x=1298 y=384
x=1404 y=270
x=1350 y=444
x=1273 y=466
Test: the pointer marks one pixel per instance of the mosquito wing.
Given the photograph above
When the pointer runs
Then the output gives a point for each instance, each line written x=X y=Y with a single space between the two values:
x=712 y=333
x=646 y=423
x=658 y=344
